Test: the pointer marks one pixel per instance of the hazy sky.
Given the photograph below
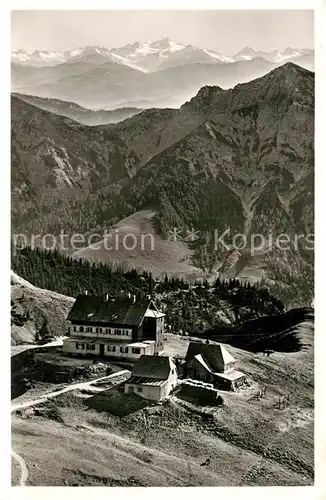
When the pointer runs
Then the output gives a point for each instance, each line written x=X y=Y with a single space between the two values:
x=225 y=31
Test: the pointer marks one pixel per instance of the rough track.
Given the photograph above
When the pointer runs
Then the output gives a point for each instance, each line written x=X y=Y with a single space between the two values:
x=23 y=468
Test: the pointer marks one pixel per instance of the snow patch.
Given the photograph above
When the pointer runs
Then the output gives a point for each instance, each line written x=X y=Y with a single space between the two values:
x=218 y=56
x=64 y=166
x=210 y=131
x=126 y=62
x=175 y=46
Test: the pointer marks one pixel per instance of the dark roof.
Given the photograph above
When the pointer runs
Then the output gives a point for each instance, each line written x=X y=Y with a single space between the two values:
x=145 y=381
x=119 y=310
x=215 y=355
x=157 y=367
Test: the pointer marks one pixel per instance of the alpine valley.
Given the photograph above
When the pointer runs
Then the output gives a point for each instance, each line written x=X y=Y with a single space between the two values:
x=162 y=249
x=236 y=159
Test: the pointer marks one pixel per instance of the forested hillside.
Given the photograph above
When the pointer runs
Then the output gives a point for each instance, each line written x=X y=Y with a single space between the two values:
x=240 y=159
x=191 y=308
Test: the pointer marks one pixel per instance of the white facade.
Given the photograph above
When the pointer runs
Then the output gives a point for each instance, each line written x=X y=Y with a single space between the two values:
x=103 y=347
x=153 y=389
x=146 y=391
x=100 y=331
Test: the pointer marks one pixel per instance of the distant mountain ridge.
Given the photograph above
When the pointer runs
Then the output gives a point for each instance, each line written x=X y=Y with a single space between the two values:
x=78 y=113
x=151 y=55
x=110 y=84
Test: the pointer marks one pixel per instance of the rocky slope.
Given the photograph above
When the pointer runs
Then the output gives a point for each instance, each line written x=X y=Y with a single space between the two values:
x=239 y=158
x=36 y=314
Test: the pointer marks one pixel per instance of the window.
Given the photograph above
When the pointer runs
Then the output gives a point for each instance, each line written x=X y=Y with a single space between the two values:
x=131 y=388
x=124 y=349
x=75 y=329
x=80 y=346
x=91 y=347
x=111 y=348
x=139 y=389
x=100 y=330
x=118 y=332
x=136 y=350
x=81 y=329
x=172 y=372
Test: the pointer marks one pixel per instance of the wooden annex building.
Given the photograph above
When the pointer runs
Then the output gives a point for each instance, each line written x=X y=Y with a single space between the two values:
x=212 y=363
x=152 y=377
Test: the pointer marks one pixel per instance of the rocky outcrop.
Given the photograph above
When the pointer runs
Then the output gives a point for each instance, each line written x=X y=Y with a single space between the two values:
x=37 y=315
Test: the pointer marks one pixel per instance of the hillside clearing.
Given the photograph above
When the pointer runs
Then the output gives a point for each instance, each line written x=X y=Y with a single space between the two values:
x=250 y=441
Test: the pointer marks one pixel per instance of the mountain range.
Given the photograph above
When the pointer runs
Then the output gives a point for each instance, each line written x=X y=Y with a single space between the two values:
x=154 y=74
x=151 y=55
x=239 y=158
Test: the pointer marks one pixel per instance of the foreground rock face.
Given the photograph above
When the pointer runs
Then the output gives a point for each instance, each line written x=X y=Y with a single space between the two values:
x=36 y=314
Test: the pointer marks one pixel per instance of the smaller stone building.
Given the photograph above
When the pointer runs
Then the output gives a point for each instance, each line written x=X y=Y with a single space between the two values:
x=152 y=377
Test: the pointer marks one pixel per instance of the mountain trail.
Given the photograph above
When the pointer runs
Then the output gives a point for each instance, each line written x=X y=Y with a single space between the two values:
x=23 y=467
x=72 y=387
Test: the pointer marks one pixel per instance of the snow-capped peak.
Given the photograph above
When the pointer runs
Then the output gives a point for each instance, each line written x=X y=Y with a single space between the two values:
x=247 y=51
x=161 y=46
x=152 y=55
x=165 y=44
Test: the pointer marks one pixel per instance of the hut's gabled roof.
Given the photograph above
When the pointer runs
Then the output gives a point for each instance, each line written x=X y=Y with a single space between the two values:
x=215 y=355
x=116 y=310
x=155 y=367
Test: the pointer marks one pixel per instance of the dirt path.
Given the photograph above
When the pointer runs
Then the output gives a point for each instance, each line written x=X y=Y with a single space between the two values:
x=17 y=349
x=72 y=387
x=46 y=397
x=23 y=468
